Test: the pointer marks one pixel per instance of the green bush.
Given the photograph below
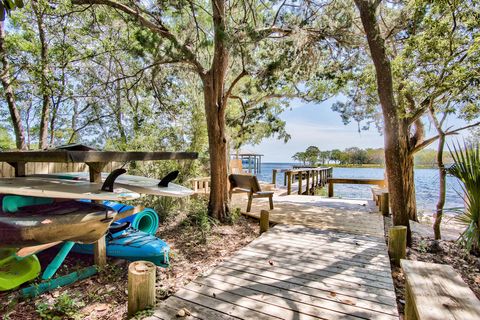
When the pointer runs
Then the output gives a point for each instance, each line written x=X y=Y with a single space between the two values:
x=198 y=216
x=64 y=307
x=466 y=168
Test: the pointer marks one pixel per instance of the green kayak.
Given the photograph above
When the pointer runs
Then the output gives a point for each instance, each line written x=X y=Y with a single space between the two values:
x=14 y=271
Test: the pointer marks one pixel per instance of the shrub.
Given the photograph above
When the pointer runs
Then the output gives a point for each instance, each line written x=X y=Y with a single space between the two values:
x=466 y=168
x=64 y=307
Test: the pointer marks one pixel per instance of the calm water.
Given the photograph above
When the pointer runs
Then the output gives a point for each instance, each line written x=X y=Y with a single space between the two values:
x=426 y=184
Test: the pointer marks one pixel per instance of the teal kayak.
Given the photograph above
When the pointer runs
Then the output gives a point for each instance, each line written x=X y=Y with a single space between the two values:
x=131 y=244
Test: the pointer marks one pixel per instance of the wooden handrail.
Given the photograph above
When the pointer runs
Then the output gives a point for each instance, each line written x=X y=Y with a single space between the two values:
x=315 y=177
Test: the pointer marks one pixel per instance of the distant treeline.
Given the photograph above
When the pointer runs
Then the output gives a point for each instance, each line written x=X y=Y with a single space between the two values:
x=358 y=156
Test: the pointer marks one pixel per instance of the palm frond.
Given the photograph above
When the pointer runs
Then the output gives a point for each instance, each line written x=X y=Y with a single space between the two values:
x=466 y=168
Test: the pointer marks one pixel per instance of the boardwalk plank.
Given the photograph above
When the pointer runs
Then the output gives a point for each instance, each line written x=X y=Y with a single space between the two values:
x=230 y=309
x=343 y=268
x=362 y=300
x=307 y=276
x=324 y=263
x=325 y=270
x=320 y=253
x=312 y=246
x=169 y=308
x=344 y=305
x=323 y=259
x=330 y=240
x=284 y=309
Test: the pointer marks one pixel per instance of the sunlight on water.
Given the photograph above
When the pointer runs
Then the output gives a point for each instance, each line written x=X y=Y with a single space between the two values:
x=426 y=184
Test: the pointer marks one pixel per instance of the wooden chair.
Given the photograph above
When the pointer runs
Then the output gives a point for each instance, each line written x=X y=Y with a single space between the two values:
x=236 y=166
x=240 y=183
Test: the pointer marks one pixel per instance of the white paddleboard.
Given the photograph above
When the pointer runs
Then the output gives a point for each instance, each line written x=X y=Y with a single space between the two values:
x=138 y=184
x=62 y=188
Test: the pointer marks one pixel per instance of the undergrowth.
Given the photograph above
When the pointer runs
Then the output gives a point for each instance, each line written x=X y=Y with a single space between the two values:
x=64 y=307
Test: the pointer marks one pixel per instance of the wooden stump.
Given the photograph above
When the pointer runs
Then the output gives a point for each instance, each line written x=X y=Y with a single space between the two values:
x=385 y=204
x=397 y=243
x=141 y=286
x=264 y=221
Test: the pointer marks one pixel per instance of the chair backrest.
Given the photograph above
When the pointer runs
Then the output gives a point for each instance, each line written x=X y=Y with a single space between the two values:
x=236 y=166
x=244 y=181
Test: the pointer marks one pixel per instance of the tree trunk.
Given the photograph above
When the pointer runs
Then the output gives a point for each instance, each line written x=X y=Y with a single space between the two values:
x=409 y=186
x=442 y=188
x=214 y=95
x=43 y=134
x=218 y=206
x=396 y=146
x=9 y=95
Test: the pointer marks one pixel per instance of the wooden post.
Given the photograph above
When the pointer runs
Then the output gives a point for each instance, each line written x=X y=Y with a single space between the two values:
x=264 y=221
x=289 y=185
x=99 y=247
x=397 y=243
x=330 y=189
x=300 y=182
x=384 y=204
x=313 y=181
x=141 y=286
x=285 y=179
x=19 y=167
x=274 y=177
x=307 y=183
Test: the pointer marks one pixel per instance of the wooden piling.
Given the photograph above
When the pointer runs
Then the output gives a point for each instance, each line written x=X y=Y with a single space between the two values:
x=307 y=183
x=264 y=221
x=300 y=176
x=289 y=185
x=313 y=181
x=384 y=204
x=141 y=286
x=274 y=177
x=330 y=189
x=397 y=243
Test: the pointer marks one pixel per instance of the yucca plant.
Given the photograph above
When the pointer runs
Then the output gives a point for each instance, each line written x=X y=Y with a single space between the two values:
x=466 y=168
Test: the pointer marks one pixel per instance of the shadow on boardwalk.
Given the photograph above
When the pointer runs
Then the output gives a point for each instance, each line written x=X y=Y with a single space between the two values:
x=315 y=268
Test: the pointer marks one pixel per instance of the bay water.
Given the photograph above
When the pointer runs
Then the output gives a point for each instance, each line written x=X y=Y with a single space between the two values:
x=426 y=185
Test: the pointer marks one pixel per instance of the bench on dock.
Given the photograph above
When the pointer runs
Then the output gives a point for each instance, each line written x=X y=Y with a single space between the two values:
x=436 y=291
x=244 y=183
x=382 y=199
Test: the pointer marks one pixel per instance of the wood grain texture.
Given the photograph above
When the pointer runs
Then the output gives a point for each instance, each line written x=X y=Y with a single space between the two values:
x=295 y=272
x=91 y=156
x=436 y=291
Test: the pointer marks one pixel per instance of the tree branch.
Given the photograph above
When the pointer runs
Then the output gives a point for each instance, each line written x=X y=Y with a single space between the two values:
x=447 y=133
x=161 y=30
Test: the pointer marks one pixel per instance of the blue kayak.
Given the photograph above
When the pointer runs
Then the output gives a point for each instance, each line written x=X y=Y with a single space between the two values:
x=131 y=244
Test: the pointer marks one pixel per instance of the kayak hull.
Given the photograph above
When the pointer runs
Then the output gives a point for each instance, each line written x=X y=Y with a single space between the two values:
x=60 y=221
x=133 y=245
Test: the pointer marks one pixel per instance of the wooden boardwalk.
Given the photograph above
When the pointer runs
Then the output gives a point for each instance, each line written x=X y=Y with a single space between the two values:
x=331 y=263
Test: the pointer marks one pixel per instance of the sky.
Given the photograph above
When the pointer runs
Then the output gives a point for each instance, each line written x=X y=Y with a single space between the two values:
x=311 y=124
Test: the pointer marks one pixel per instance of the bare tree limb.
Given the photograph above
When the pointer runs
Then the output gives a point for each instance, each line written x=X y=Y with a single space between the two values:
x=447 y=133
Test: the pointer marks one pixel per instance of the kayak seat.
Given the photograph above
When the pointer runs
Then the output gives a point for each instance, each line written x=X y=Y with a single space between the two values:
x=114 y=228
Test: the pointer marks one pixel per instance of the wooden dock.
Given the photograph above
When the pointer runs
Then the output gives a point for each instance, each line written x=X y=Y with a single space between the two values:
x=298 y=271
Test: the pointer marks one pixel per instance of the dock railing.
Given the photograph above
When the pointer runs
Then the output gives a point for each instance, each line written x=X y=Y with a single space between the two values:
x=331 y=181
x=314 y=178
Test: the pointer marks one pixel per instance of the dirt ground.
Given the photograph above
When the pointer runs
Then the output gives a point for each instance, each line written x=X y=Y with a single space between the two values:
x=426 y=249
x=104 y=296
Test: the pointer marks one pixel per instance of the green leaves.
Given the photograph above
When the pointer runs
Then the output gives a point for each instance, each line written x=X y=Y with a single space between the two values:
x=466 y=168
